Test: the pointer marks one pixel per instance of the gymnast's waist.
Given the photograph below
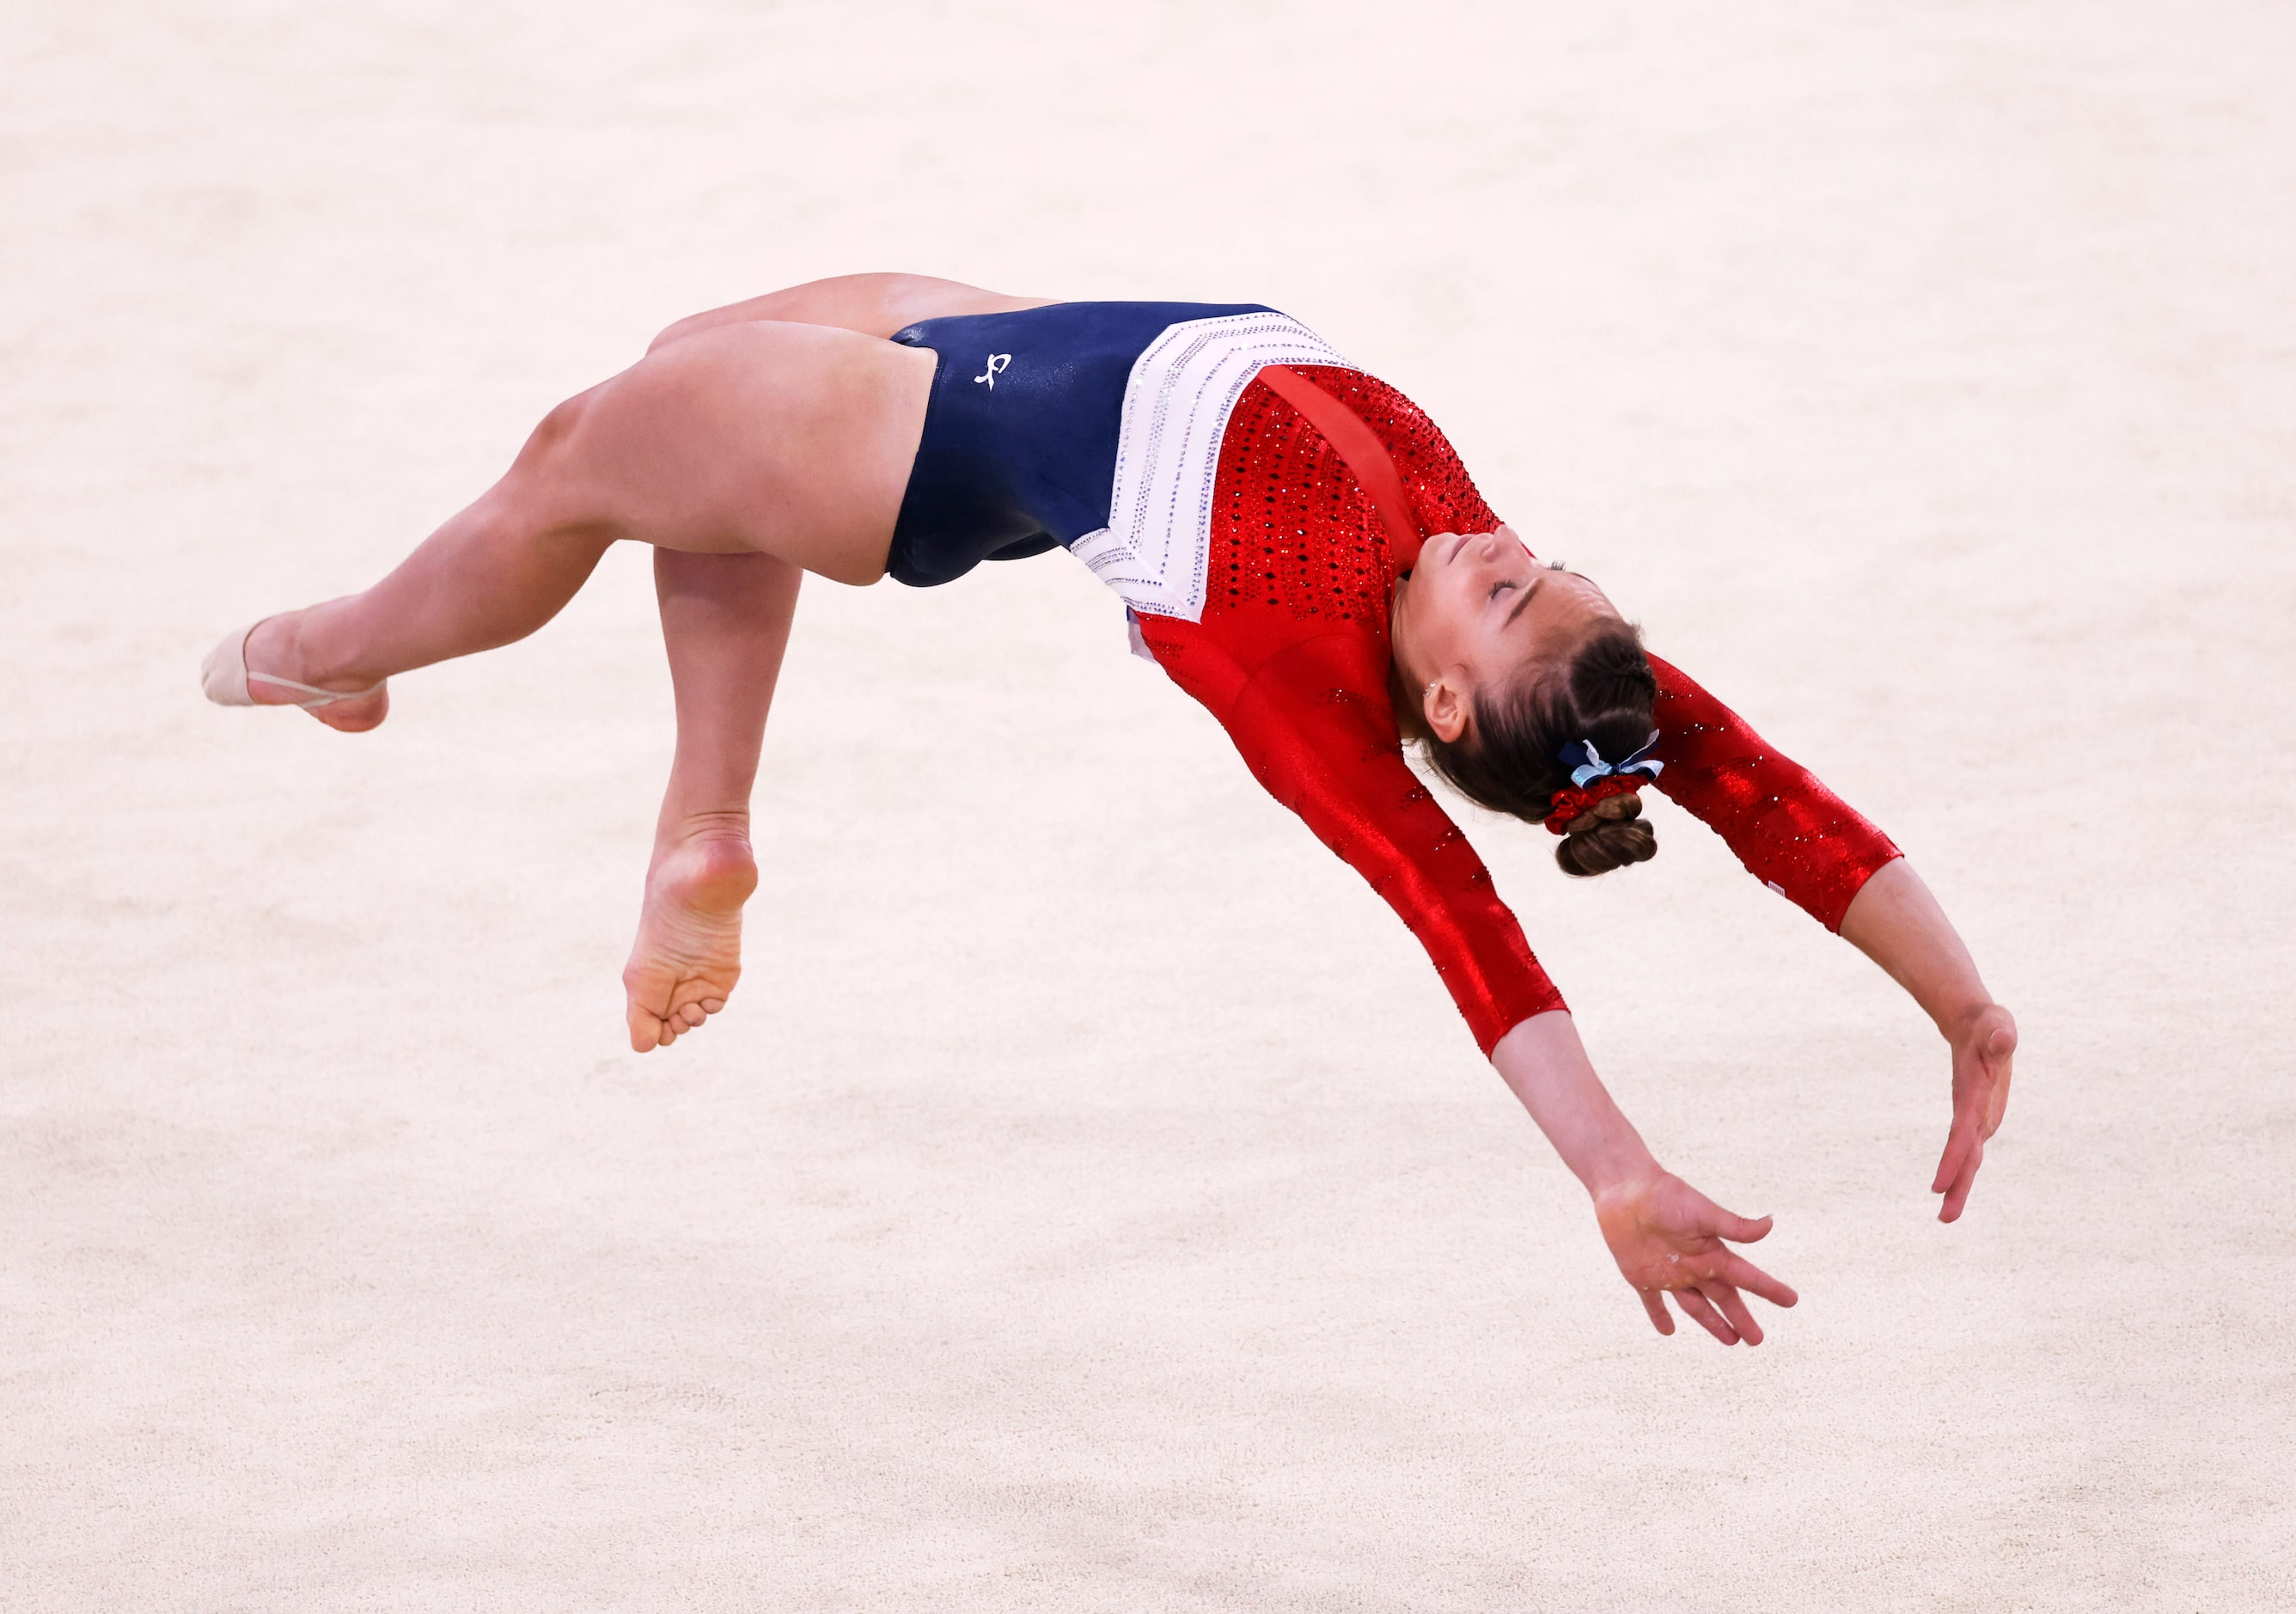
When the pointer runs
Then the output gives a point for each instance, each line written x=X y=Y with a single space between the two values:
x=1024 y=426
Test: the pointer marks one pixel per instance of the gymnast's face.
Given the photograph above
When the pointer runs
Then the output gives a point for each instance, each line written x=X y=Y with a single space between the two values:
x=1475 y=611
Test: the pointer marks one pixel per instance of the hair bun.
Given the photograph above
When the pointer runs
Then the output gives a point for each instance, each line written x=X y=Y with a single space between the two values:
x=1609 y=835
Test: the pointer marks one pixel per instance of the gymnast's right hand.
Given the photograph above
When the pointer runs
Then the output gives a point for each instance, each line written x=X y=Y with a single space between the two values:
x=1665 y=1235
x=1668 y=1239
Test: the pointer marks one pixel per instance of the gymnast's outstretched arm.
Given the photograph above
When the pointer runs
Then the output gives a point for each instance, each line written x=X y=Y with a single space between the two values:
x=1811 y=846
x=1314 y=725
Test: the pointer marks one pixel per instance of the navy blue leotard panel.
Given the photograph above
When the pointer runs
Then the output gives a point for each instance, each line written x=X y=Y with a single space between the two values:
x=1019 y=451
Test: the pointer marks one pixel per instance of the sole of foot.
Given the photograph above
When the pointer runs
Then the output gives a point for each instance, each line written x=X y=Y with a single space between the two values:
x=688 y=953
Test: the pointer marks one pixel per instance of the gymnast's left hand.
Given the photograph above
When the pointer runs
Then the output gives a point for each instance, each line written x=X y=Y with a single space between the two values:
x=1984 y=1041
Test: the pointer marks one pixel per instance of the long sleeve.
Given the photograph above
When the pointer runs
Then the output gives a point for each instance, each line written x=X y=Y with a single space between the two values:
x=1793 y=835
x=1312 y=723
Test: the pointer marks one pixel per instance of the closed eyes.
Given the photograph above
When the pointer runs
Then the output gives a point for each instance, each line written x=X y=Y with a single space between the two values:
x=1526 y=591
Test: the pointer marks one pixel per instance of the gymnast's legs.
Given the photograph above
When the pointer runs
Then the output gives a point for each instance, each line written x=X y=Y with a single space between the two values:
x=748 y=452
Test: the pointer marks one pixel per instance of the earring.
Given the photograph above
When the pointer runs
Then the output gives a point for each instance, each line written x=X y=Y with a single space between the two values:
x=1429 y=689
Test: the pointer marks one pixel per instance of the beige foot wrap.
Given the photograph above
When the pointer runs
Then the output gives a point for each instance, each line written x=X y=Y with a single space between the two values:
x=224 y=676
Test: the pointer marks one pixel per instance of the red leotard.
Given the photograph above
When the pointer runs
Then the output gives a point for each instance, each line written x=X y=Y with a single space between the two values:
x=1291 y=657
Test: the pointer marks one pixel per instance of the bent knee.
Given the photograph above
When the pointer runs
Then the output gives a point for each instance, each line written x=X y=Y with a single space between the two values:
x=556 y=484
x=552 y=434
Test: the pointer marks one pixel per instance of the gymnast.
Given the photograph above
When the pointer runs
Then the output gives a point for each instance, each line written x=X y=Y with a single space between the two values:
x=1296 y=545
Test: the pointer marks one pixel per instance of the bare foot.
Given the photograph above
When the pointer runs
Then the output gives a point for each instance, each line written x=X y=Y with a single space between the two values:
x=277 y=647
x=688 y=953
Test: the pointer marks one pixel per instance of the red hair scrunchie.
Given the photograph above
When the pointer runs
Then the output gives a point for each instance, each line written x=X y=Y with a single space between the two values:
x=1571 y=800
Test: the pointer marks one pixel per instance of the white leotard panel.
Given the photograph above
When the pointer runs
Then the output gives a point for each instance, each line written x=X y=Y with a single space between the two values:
x=1183 y=388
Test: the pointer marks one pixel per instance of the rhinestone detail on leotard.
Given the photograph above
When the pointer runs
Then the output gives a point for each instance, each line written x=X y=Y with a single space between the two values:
x=1300 y=536
x=1299 y=532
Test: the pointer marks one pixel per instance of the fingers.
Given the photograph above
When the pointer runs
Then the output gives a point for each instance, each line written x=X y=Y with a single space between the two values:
x=1739 y=1229
x=1959 y=1140
x=1708 y=1217
x=1739 y=1273
x=1948 y=1166
x=1695 y=1306
x=1957 y=1195
x=1654 y=1302
x=1716 y=1306
x=1732 y=1306
x=1964 y=1153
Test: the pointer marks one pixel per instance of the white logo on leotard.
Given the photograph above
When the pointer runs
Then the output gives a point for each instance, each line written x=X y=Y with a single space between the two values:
x=996 y=362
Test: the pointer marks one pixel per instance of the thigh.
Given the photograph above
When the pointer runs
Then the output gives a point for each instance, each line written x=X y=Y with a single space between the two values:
x=875 y=305
x=764 y=436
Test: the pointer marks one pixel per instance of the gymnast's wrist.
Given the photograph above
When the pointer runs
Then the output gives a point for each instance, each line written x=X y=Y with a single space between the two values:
x=1619 y=1173
x=1966 y=1018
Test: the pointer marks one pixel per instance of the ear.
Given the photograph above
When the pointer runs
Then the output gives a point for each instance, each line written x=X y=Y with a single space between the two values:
x=1444 y=708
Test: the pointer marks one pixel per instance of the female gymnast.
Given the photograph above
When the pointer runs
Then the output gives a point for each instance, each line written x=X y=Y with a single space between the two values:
x=1297 y=547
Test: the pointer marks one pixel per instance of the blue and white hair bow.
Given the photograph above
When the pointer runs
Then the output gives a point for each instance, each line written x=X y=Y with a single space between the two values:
x=1595 y=767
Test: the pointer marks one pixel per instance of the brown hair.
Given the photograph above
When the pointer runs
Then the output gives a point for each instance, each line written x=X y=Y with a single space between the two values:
x=1510 y=758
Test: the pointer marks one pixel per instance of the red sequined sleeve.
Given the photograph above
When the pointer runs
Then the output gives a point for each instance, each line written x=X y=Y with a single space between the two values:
x=1793 y=833
x=1312 y=724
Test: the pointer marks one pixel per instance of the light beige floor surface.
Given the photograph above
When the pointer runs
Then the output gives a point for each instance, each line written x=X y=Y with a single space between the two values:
x=1091 y=1201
